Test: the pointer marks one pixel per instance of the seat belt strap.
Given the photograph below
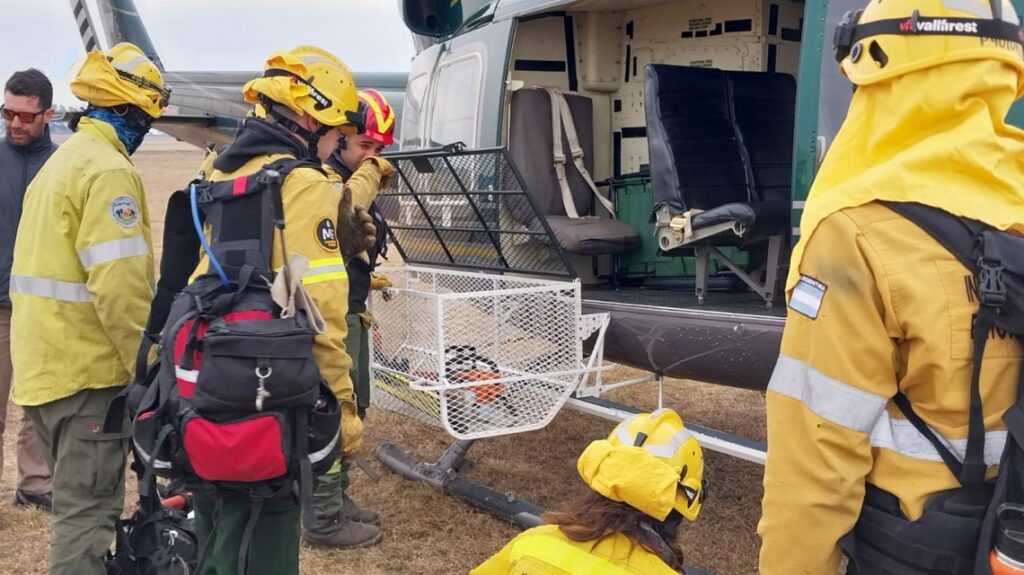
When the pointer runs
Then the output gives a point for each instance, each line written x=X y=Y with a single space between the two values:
x=559 y=157
x=561 y=115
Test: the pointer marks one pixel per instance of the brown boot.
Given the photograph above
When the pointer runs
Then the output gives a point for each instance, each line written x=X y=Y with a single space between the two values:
x=358 y=514
x=342 y=533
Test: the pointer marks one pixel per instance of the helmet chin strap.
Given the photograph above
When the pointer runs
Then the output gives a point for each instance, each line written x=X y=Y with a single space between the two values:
x=312 y=138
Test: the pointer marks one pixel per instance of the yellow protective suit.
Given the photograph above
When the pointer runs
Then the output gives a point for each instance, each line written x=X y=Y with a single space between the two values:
x=884 y=308
x=309 y=198
x=82 y=277
x=545 y=550
x=373 y=175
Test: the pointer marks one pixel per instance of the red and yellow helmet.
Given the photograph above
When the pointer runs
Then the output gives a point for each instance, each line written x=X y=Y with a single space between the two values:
x=378 y=117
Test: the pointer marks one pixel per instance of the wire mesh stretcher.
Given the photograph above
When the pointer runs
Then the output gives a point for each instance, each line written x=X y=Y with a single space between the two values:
x=469 y=346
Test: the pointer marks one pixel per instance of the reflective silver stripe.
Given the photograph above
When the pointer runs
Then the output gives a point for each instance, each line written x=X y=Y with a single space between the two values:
x=319 y=455
x=130 y=65
x=668 y=449
x=189 y=375
x=623 y=434
x=309 y=60
x=862 y=411
x=53 y=289
x=146 y=457
x=113 y=250
x=900 y=436
x=665 y=450
x=327 y=269
x=828 y=398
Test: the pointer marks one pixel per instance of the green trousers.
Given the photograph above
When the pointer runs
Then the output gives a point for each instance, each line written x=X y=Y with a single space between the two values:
x=88 y=478
x=331 y=486
x=273 y=548
x=329 y=494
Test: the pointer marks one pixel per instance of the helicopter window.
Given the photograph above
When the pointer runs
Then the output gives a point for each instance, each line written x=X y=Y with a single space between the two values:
x=456 y=102
x=412 y=110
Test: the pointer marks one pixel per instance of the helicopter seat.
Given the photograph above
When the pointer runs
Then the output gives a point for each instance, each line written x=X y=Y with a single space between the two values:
x=721 y=149
x=560 y=185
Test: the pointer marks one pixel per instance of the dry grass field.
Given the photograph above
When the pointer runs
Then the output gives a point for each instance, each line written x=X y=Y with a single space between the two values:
x=428 y=533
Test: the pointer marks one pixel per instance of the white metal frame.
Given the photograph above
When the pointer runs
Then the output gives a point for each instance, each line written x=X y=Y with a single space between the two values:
x=569 y=379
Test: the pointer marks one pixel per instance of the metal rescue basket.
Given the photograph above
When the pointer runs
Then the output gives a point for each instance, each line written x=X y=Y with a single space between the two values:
x=486 y=352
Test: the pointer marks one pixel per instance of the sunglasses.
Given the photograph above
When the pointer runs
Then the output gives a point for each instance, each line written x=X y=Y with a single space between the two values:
x=24 y=117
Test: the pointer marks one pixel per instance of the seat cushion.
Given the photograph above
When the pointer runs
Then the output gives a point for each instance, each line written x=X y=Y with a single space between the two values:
x=760 y=218
x=594 y=236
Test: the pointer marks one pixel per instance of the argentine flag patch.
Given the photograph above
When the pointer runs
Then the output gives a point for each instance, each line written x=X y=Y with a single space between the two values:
x=807 y=296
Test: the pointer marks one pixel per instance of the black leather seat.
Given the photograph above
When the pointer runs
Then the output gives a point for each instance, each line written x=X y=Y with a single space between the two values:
x=531 y=147
x=721 y=149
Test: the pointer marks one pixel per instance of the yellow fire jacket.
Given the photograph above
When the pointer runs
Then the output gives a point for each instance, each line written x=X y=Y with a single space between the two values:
x=82 y=277
x=545 y=550
x=310 y=203
x=373 y=175
x=878 y=307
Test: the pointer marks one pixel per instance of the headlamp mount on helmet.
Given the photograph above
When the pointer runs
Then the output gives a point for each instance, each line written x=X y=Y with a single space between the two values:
x=850 y=32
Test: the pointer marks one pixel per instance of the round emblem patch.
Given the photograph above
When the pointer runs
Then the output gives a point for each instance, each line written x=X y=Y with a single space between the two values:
x=327 y=235
x=124 y=211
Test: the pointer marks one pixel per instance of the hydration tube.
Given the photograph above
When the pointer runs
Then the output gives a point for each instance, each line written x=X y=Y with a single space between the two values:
x=202 y=238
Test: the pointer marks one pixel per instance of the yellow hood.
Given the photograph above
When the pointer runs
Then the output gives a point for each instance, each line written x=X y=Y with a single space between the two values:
x=937 y=137
x=630 y=475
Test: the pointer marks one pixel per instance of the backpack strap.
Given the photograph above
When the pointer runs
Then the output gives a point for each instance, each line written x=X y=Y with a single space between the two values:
x=305 y=467
x=179 y=259
x=948 y=457
x=972 y=244
x=380 y=244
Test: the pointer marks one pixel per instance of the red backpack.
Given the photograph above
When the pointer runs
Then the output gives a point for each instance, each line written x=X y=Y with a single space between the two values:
x=234 y=400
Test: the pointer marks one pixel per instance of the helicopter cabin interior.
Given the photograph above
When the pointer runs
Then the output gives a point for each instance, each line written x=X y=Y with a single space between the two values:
x=684 y=114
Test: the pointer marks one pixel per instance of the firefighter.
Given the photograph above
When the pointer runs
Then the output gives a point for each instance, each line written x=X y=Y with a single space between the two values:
x=646 y=478
x=81 y=283
x=880 y=311
x=303 y=103
x=357 y=165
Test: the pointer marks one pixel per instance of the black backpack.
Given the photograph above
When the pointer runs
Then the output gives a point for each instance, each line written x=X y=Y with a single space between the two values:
x=156 y=540
x=234 y=400
x=958 y=529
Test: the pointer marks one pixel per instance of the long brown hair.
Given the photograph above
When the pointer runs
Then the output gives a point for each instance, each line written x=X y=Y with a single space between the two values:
x=595 y=517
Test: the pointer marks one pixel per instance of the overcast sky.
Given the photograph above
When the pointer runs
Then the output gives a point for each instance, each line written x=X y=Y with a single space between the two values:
x=210 y=34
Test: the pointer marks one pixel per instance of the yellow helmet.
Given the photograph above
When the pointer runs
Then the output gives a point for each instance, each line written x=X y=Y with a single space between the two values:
x=307 y=80
x=890 y=38
x=122 y=75
x=650 y=462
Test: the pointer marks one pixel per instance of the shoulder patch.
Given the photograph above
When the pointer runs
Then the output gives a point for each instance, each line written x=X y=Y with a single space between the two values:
x=807 y=296
x=327 y=235
x=124 y=211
